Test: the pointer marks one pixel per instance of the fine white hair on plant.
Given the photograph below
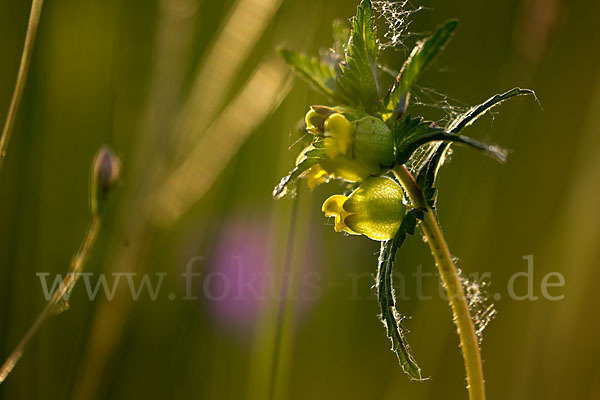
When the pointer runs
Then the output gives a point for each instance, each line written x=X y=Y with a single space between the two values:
x=433 y=99
x=481 y=308
x=396 y=15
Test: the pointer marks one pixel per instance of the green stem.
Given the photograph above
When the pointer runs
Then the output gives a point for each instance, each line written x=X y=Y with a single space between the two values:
x=55 y=304
x=34 y=19
x=284 y=307
x=445 y=264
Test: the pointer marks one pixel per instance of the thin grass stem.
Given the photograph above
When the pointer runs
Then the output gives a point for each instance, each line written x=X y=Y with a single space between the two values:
x=283 y=306
x=56 y=303
x=34 y=19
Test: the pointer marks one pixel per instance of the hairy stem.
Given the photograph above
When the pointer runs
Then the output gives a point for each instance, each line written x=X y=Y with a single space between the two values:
x=34 y=19
x=55 y=305
x=445 y=264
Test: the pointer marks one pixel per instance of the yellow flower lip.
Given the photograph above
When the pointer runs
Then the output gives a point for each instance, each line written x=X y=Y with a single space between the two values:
x=334 y=207
x=375 y=209
x=315 y=118
x=339 y=136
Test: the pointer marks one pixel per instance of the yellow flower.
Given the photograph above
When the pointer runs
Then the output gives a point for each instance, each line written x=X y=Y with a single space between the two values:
x=355 y=150
x=375 y=209
x=348 y=150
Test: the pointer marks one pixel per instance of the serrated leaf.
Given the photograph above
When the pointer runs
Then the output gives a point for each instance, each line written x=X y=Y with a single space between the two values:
x=358 y=77
x=385 y=294
x=410 y=128
x=421 y=57
x=311 y=158
x=321 y=76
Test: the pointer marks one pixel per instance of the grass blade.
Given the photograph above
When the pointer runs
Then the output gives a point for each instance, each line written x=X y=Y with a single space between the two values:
x=105 y=173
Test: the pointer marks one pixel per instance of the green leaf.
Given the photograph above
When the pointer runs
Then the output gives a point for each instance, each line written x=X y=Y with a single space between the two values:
x=358 y=77
x=390 y=317
x=474 y=113
x=320 y=76
x=428 y=168
x=412 y=133
x=409 y=128
x=311 y=158
x=421 y=57
x=497 y=153
x=426 y=171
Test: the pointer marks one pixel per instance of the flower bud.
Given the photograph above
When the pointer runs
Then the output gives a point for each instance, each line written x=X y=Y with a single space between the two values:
x=106 y=171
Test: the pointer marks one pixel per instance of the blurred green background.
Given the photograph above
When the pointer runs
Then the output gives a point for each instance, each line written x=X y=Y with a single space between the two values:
x=192 y=97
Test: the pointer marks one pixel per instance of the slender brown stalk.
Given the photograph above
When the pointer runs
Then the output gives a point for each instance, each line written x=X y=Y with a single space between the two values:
x=449 y=273
x=34 y=19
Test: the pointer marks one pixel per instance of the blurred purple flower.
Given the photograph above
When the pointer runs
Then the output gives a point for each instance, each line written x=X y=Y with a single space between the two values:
x=240 y=272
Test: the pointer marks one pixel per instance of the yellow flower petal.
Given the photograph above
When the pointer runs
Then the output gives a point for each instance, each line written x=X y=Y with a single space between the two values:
x=339 y=134
x=334 y=207
x=315 y=175
x=346 y=169
x=315 y=118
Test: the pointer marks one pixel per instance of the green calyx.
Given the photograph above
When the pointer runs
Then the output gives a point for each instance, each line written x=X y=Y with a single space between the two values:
x=354 y=150
x=375 y=209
